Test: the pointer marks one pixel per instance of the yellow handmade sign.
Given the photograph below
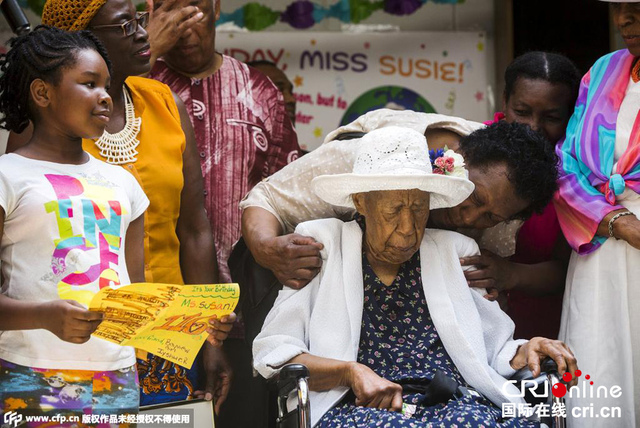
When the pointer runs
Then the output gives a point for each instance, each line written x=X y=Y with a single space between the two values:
x=167 y=320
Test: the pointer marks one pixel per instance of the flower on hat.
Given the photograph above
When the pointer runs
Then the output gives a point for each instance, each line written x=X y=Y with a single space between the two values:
x=447 y=162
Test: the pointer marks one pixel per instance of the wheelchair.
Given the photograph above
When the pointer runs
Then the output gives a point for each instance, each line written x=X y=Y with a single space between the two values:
x=259 y=289
x=293 y=379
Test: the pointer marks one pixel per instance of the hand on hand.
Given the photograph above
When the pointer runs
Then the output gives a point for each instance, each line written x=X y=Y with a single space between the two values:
x=219 y=329
x=493 y=273
x=294 y=259
x=170 y=22
x=535 y=350
x=373 y=391
x=219 y=375
x=69 y=320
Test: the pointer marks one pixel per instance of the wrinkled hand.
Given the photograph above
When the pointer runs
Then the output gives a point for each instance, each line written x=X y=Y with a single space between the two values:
x=170 y=22
x=373 y=391
x=69 y=320
x=219 y=329
x=493 y=273
x=294 y=259
x=218 y=374
x=537 y=349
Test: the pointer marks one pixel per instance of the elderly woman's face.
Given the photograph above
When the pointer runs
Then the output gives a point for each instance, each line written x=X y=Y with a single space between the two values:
x=395 y=223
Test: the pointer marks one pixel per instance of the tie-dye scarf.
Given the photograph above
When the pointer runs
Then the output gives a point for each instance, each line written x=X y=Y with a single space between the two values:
x=588 y=184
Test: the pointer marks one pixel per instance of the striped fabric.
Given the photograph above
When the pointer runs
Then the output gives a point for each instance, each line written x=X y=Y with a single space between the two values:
x=588 y=183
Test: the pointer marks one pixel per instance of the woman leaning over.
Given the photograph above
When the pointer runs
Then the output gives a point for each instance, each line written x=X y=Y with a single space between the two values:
x=390 y=312
x=150 y=136
x=540 y=90
x=597 y=205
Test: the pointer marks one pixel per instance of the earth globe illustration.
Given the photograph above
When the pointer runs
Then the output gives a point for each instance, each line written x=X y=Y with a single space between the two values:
x=393 y=97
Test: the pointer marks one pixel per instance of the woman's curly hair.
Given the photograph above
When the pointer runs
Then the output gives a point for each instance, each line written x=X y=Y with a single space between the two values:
x=530 y=158
x=40 y=54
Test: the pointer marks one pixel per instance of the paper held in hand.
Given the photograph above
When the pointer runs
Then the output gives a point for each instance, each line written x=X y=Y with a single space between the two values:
x=167 y=320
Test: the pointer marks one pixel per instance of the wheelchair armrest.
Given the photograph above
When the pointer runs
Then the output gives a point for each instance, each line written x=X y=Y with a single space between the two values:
x=536 y=392
x=548 y=367
x=537 y=389
x=287 y=378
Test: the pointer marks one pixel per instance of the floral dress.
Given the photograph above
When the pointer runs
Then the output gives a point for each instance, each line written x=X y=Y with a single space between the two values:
x=399 y=342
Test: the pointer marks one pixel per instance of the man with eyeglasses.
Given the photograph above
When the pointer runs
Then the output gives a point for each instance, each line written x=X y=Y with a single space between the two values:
x=243 y=134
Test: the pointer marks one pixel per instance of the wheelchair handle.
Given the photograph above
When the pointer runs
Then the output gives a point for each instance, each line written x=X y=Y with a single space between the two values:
x=304 y=406
x=293 y=378
x=549 y=366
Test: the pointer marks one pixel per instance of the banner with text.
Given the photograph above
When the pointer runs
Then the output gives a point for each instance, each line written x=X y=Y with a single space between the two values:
x=340 y=76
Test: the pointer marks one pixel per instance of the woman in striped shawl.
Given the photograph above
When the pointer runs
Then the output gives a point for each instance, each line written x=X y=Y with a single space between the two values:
x=598 y=205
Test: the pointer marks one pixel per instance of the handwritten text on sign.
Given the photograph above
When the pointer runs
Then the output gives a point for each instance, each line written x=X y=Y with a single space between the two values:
x=167 y=320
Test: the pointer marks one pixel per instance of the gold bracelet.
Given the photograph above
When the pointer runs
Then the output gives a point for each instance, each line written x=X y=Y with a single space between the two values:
x=614 y=218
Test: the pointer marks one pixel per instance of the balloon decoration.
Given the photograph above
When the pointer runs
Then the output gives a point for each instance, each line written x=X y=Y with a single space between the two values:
x=303 y=14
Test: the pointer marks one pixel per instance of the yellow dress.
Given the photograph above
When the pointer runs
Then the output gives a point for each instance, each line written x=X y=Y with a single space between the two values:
x=158 y=169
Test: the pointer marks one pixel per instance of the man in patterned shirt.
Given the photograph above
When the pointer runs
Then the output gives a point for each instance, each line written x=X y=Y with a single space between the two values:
x=242 y=130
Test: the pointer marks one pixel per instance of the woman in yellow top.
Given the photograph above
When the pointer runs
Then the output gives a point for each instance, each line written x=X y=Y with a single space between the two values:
x=150 y=135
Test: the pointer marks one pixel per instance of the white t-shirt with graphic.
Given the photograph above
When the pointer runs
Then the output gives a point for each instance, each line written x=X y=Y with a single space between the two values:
x=64 y=238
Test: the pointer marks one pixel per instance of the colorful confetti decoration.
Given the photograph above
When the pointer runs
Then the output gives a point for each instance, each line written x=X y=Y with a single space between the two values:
x=317 y=132
x=479 y=96
x=303 y=14
x=298 y=81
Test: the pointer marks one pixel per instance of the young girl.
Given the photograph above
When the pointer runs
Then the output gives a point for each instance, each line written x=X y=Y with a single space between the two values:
x=69 y=225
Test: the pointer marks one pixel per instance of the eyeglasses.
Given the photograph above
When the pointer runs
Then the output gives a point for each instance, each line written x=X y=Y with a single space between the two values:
x=130 y=27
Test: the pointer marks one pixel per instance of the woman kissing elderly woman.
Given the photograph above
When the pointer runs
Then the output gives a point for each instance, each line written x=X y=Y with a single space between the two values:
x=390 y=311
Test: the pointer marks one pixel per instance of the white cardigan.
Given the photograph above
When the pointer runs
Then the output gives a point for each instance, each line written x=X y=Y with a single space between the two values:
x=324 y=318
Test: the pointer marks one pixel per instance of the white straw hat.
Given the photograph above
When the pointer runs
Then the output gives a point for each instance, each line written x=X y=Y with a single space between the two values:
x=393 y=158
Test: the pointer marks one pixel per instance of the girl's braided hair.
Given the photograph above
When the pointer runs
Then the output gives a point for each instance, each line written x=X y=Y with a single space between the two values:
x=40 y=54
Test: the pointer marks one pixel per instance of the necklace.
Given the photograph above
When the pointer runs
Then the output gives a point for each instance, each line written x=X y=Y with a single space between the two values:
x=120 y=148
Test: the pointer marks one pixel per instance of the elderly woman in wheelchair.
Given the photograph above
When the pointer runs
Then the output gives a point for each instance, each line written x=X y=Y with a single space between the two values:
x=390 y=331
